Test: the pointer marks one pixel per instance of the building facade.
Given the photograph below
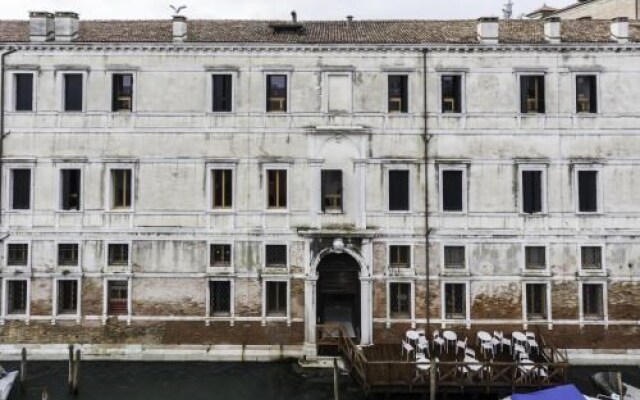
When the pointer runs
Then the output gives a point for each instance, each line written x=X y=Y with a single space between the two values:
x=600 y=9
x=239 y=183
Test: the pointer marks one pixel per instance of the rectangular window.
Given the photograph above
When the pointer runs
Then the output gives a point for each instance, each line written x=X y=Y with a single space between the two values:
x=451 y=94
x=24 y=92
x=452 y=190
x=17 y=297
x=400 y=256
x=73 y=92
x=398 y=190
x=591 y=257
x=118 y=297
x=277 y=186
x=531 y=192
x=536 y=301
x=398 y=93
x=593 y=301
x=67 y=297
x=331 y=191
x=122 y=92
x=454 y=257
x=455 y=303
x=400 y=300
x=17 y=254
x=535 y=257
x=222 y=92
x=339 y=93
x=276 y=256
x=121 y=188
x=276 y=299
x=70 y=190
x=222 y=188
x=20 y=189
x=586 y=94
x=532 y=94
x=276 y=93
x=118 y=254
x=68 y=254
x=220 y=255
x=220 y=298
x=588 y=191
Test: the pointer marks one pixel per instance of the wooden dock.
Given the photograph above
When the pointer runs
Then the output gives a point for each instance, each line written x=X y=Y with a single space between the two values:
x=382 y=368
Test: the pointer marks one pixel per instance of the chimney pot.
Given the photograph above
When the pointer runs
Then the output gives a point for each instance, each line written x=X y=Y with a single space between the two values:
x=294 y=16
x=350 y=18
x=620 y=29
x=179 y=28
x=41 y=26
x=552 y=30
x=488 y=29
x=67 y=24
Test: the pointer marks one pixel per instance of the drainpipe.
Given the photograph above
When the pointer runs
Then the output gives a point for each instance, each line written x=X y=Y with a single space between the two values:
x=426 y=187
x=2 y=133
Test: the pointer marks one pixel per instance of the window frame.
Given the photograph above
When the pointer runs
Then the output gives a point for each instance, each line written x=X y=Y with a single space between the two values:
x=465 y=183
x=605 y=303
x=575 y=76
x=6 y=315
x=525 y=316
x=463 y=82
x=6 y=255
x=407 y=95
x=118 y=267
x=449 y=270
x=412 y=301
x=210 y=189
x=387 y=190
x=519 y=76
x=265 y=315
x=229 y=268
x=110 y=189
x=12 y=95
x=79 y=262
x=209 y=88
x=409 y=267
x=265 y=183
x=57 y=315
x=106 y=298
x=443 y=301
x=323 y=209
x=524 y=269
x=209 y=314
x=265 y=267
x=287 y=73
x=542 y=168
x=134 y=90
x=603 y=267
x=59 y=202
x=61 y=87
x=9 y=168
x=598 y=168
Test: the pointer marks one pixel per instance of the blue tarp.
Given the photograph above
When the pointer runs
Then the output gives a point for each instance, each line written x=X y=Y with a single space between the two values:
x=566 y=392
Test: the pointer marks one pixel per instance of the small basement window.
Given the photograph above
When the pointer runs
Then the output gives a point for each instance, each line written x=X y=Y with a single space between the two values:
x=220 y=298
x=400 y=300
x=331 y=191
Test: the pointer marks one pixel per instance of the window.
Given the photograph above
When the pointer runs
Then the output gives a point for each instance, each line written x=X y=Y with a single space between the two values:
x=24 y=92
x=399 y=300
x=455 y=301
x=276 y=299
x=121 y=188
x=70 y=190
x=17 y=254
x=451 y=93
x=72 y=92
x=454 y=257
x=118 y=297
x=398 y=93
x=220 y=255
x=536 y=301
x=277 y=186
x=452 y=190
x=400 y=256
x=222 y=92
x=20 y=189
x=222 y=188
x=122 y=92
x=220 y=298
x=118 y=254
x=276 y=93
x=535 y=257
x=591 y=257
x=68 y=254
x=532 y=94
x=398 y=190
x=331 y=191
x=593 y=301
x=588 y=191
x=17 y=297
x=276 y=256
x=67 y=296
x=532 y=192
x=586 y=94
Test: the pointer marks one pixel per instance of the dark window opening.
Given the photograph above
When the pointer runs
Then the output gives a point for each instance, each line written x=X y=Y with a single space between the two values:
x=276 y=93
x=222 y=92
x=398 y=190
x=121 y=184
x=277 y=184
x=398 y=93
x=531 y=192
x=67 y=297
x=331 y=191
x=276 y=255
x=122 y=92
x=591 y=257
x=17 y=297
x=118 y=254
x=532 y=94
x=593 y=301
x=536 y=301
x=276 y=299
x=73 y=92
x=586 y=94
x=399 y=256
x=17 y=254
x=70 y=189
x=24 y=92
x=455 y=301
x=222 y=188
x=21 y=189
x=400 y=300
x=588 y=191
x=535 y=257
x=451 y=94
x=118 y=292
x=220 y=255
x=68 y=254
x=452 y=190
x=454 y=257
x=220 y=298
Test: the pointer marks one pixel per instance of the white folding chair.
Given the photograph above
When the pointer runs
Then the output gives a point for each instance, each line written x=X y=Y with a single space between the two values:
x=461 y=345
x=532 y=343
x=487 y=347
x=406 y=347
x=423 y=345
x=437 y=340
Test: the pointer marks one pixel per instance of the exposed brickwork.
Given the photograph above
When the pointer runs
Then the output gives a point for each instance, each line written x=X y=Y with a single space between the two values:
x=496 y=300
x=92 y=296
x=379 y=300
x=153 y=296
x=41 y=292
x=297 y=258
x=379 y=258
x=624 y=301
x=248 y=298
x=564 y=300
x=297 y=298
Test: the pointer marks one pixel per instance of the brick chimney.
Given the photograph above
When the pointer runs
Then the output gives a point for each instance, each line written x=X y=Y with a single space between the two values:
x=179 y=28
x=620 y=29
x=66 y=26
x=41 y=26
x=552 y=27
x=488 y=28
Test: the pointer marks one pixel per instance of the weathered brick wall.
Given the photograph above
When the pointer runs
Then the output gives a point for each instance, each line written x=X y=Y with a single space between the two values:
x=92 y=296
x=297 y=298
x=41 y=292
x=624 y=301
x=564 y=300
x=248 y=298
x=496 y=300
x=160 y=296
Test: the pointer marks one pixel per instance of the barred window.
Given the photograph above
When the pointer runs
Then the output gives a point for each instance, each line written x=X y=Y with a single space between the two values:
x=276 y=299
x=67 y=297
x=118 y=292
x=68 y=254
x=17 y=254
x=400 y=256
x=276 y=255
x=220 y=255
x=17 y=297
x=536 y=295
x=455 y=300
x=591 y=257
x=220 y=298
x=400 y=300
x=118 y=254
x=593 y=301
x=535 y=257
x=454 y=257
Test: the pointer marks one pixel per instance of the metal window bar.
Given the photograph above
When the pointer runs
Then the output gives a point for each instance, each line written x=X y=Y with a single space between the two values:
x=591 y=257
x=454 y=257
x=220 y=255
x=220 y=298
x=118 y=254
x=17 y=297
x=17 y=254
x=535 y=258
x=399 y=256
x=68 y=254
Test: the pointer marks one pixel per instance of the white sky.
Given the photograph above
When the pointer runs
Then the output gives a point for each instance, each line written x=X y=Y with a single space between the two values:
x=273 y=9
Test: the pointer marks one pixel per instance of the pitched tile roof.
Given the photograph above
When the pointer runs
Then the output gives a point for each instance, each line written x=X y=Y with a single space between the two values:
x=326 y=32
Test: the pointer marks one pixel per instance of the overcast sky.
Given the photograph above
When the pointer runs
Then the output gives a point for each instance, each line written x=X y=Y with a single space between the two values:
x=273 y=9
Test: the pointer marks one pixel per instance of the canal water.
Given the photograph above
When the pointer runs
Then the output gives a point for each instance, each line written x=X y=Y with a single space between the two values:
x=208 y=381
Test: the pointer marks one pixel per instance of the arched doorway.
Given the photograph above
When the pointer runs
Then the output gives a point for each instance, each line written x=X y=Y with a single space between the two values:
x=338 y=292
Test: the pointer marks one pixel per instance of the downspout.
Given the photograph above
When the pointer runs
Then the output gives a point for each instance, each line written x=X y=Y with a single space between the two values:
x=2 y=133
x=426 y=187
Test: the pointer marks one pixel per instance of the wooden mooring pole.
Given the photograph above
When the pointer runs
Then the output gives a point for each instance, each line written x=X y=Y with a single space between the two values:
x=432 y=379
x=23 y=371
x=70 y=378
x=336 y=391
x=76 y=373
